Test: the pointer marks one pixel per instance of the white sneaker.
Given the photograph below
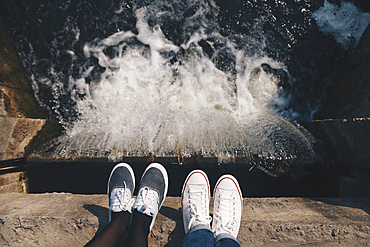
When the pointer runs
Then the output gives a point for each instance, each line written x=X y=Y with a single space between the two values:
x=195 y=200
x=227 y=206
x=121 y=185
x=152 y=191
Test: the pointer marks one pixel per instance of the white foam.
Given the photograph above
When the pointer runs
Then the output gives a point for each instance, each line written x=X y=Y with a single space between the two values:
x=346 y=23
x=144 y=103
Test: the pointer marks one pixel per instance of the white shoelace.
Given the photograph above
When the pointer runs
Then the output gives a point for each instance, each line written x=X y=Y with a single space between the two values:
x=195 y=197
x=223 y=216
x=146 y=201
x=121 y=197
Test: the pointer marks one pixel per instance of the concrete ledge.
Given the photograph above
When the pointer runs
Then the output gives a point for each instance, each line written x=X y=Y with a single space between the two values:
x=72 y=220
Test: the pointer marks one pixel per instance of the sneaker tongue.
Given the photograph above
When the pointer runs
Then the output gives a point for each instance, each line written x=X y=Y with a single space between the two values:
x=223 y=216
x=220 y=230
x=200 y=222
x=147 y=202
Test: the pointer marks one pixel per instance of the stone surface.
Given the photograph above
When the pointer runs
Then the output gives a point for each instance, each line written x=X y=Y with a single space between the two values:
x=72 y=220
x=16 y=134
x=13 y=182
x=350 y=96
x=6 y=126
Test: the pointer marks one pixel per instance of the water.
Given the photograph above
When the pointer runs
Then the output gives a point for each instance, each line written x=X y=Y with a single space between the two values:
x=169 y=78
x=346 y=23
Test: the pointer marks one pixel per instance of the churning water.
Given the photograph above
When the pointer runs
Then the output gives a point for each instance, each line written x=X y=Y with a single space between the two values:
x=211 y=78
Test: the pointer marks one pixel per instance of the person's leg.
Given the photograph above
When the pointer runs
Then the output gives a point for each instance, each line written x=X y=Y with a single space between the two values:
x=121 y=185
x=152 y=192
x=195 y=197
x=227 y=211
x=199 y=236
x=139 y=230
x=226 y=240
x=112 y=234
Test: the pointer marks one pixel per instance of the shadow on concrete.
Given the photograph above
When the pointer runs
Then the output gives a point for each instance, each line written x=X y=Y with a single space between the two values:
x=350 y=209
x=101 y=213
x=176 y=237
x=356 y=203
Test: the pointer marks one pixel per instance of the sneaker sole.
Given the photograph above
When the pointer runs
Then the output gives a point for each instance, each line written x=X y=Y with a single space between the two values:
x=187 y=179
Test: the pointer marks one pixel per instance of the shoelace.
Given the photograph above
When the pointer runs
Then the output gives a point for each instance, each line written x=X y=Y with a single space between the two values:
x=221 y=215
x=122 y=198
x=196 y=214
x=147 y=199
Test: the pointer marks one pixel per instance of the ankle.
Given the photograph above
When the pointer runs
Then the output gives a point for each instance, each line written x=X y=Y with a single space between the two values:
x=121 y=220
x=141 y=221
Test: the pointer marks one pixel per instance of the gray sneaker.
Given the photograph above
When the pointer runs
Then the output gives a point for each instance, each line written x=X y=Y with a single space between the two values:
x=152 y=191
x=121 y=185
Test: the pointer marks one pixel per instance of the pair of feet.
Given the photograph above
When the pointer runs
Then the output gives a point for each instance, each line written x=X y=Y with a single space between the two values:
x=151 y=194
x=227 y=203
x=195 y=197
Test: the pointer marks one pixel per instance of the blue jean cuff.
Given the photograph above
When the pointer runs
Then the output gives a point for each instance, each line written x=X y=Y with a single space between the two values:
x=223 y=235
x=199 y=227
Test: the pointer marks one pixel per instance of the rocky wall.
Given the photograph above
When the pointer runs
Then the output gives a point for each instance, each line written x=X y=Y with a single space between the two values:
x=347 y=147
x=16 y=134
x=16 y=93
x=350 y=96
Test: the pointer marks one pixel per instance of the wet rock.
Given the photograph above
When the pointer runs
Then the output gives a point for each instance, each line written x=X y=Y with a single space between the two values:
x=350 y=96
x=206 y=47
x=346 y=141
x=16 y=94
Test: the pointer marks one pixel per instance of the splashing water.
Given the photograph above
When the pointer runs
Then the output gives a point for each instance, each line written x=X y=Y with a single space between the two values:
x=206 y=78
x=155 y=97
x=346 y=23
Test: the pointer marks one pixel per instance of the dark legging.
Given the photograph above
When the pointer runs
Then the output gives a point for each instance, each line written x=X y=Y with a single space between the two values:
x=116 y=229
